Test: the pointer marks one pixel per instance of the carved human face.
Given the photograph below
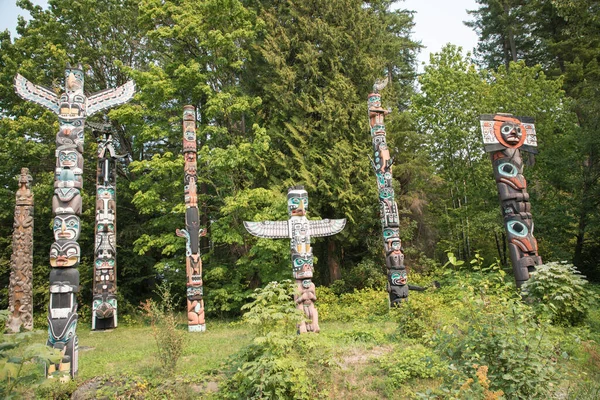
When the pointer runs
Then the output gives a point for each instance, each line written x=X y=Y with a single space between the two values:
x=64 y=253
x=511 y=132
x=297 y=202
x=66 y=227
x=68 y=158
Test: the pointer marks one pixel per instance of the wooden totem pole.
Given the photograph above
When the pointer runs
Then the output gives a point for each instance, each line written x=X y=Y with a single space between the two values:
x=72 y=108
x=503 y=137
x=299 y=229
x=104 y=303
x=192 y=231
x=20 y=293
x=388 y=209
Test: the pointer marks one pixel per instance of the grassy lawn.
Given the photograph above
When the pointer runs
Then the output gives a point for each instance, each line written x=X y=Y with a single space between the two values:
x=393 y=356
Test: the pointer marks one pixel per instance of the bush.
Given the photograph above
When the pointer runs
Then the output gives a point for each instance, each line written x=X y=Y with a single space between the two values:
x=20 y=362
x=559 y=292
x=275 y=366
x=362 y=334
x=406 y=363
x=169 y=339
x=503 y=335
x=418 y=318
x=360 y=305
x=273 y=308
x=279 y=364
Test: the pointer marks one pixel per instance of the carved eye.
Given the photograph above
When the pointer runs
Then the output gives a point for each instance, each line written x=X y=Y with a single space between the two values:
x=78 y=99
x=517 y=228
x=57 y=224
x=506 y=129
x=72 y=252
x=507 y=169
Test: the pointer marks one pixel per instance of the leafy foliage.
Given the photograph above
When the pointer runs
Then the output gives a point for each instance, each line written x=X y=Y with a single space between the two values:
x=410 y=362
x=275 y=365
x=273 y=308
x=170 y=340
x=559 y=291
x=360 y=305
x=20 y=361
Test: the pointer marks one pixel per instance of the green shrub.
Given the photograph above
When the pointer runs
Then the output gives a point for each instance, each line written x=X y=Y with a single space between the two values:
x=273 y=308
x=278 y=364
x=169 y=339
x=559 y=292
x=473 y=388
x=360 y=305
x=21 y=362
x=503 y=335
x=362 y=334
x=418 y=318
x=406 y=363
x=275 y=366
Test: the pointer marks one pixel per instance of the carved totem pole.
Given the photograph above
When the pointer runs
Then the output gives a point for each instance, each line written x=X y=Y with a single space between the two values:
x=192 y=231
x=503 y=137
x=72 y=108
x=299 y=229
x=20 y=291
x=104 y=303
x=388 y=209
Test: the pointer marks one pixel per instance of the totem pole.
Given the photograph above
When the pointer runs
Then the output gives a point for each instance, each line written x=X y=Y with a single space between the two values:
x=20 y=293
x=104 y=303
x=299 y=229
x=388 y=209
x=504 y=136
x=72 y=108
x=192 y=231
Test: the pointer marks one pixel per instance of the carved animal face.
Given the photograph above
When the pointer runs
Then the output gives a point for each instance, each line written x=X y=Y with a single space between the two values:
x=297 y=202
x=106 y=193
x=302 y=266
x=374 y=100
x=398 y=278
x=72 y=102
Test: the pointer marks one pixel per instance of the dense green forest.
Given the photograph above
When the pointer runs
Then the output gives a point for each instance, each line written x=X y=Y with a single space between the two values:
x=280 y=87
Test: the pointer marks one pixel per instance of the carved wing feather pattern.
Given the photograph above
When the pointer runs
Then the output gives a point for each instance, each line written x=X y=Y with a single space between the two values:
x=110 y=98
x=37 y=94
x=326 y=227
x=268 y=229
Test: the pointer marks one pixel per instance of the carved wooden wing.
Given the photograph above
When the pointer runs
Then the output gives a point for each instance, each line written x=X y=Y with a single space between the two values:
x=268 y=229
x=37 y=94
x=326 y=227
x=110 y=98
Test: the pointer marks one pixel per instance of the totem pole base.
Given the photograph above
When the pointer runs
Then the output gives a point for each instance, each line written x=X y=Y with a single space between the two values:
x=197 y=328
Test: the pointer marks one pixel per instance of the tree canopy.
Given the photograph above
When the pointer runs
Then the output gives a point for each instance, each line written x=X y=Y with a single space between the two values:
x=280 y=89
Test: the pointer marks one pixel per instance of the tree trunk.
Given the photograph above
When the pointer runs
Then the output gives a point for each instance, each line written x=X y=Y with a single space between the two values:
x=335 y=272
x=510 y=33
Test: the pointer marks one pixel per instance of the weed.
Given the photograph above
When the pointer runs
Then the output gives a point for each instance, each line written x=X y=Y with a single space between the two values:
x=163 y=320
